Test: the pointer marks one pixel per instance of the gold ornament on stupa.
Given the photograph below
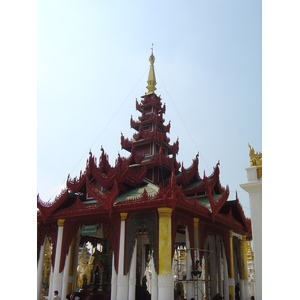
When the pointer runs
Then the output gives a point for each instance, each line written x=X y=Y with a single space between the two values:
x=250 y=255
x=151 y=76
x=256 y=160
x=47 y=263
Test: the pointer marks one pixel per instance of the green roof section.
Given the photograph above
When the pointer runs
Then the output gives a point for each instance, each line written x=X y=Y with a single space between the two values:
x=151 y=190
x=192 y=185
x=204 y=201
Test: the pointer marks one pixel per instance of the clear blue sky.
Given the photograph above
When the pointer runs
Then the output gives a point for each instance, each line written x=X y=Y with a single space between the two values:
x=92 y=63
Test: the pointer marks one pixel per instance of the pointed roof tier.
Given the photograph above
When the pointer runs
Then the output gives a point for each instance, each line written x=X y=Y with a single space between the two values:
x=150 y=140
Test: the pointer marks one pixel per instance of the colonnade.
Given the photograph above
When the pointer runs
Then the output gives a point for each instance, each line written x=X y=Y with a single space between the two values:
x=123 y=286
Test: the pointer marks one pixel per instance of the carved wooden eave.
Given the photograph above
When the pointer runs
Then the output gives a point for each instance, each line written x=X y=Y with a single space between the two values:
x=187 y=175
x=106 y=200
x=214 y=180
x=92 y=171
x=216 y=206
x=232 y=212
x=162 y=160
x=47 y=209
x=148 y=118
x=191 y=176
x=150 y=100
x=179 y=200
x=134 y=157
x=246 y=221
x=170 y=196
x=104 y=165
x=77 y=208
x=136 y=175
x=143 y=136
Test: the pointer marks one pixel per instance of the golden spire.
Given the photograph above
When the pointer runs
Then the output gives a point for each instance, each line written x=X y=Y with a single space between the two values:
x=151 y=77
x=249 y=251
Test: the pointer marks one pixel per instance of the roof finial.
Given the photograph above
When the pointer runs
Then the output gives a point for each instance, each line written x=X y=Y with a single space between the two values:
x=151 y=77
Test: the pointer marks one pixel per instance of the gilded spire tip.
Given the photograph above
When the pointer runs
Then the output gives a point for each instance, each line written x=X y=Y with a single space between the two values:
x=151 y=77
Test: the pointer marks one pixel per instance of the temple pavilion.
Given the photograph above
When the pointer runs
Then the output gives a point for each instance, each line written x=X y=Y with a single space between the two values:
x=146 y=215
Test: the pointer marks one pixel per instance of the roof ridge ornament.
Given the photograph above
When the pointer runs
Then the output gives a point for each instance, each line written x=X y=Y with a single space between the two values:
x=151 y=76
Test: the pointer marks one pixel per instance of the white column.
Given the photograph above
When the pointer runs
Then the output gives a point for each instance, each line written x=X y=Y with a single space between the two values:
x=213 y=269
x=132 y=274
x=206 y=254
x=65 y=280
x=189 y=284
x=225 y=274
x=56 y=275
x=254 y=188
x=153 y=281
x=113 y=279
x=122 y=282
x=143 y=262
x=40 y=270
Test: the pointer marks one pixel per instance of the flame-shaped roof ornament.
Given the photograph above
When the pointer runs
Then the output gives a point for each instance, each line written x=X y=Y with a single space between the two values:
x=151 y=77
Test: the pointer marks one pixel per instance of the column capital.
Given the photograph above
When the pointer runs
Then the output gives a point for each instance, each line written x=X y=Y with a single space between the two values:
x=196 y=222
x=164 y=212
x=244 y=238
x=60 y=222
x=123 y=216
x=230 y=233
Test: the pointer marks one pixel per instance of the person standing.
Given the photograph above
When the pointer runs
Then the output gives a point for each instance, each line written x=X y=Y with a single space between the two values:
x=56 y=297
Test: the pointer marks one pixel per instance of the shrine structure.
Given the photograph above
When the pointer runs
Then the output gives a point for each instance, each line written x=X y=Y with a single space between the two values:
x=138 y=213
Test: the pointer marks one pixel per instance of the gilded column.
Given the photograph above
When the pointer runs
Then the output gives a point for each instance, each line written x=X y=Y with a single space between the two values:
x=132 y=274
x=56 y=276
x=40 y=268
x=165 y=280
x=122 y=281
x=231 y=279
x=245 y=268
